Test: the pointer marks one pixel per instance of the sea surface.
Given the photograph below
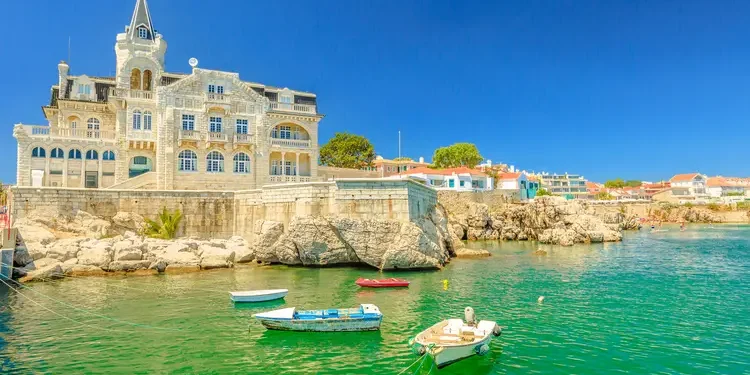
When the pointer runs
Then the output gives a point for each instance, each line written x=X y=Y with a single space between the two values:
x=658 y=303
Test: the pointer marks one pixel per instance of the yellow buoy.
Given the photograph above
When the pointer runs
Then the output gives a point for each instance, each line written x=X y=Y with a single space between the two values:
x=445 y=284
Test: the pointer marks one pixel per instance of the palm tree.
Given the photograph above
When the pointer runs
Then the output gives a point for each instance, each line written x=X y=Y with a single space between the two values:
x=167 y=227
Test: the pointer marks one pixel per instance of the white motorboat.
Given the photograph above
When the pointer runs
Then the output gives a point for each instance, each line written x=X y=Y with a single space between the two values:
x=454 y=339
x=366 y=317
x=258 y=295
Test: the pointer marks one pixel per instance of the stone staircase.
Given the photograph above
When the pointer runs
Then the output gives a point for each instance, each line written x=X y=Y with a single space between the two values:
x=144 y=181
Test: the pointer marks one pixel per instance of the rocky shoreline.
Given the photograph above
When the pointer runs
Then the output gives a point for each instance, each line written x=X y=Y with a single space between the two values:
x=52 y=245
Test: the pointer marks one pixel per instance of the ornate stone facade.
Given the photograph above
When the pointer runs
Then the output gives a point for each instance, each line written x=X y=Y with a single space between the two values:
x=148 y=128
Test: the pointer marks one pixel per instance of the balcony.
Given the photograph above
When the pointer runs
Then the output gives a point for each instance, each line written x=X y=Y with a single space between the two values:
x=141 y=135
x=292 y=107
x=131 y=94
x=243 y=139
x=189 y=135
x=279 y=179
x=46 y=132
x=293 y=143
x=217 y=98
x=217 y=137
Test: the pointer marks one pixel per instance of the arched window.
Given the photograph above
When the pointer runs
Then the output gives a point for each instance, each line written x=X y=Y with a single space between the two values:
x=57 y=153
x=38 y=152
x=135 y=79
x=74 y=154
x=214 y=162
x=188 y=160
x=136 y=120
x=93 y=128
x=92 y=155
x=147 y=80
x=147 y=120
x=108 y=155
x=73 y=122
x=241 y=163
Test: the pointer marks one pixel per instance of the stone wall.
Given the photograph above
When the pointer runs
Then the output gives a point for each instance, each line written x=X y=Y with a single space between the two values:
x=222 y=214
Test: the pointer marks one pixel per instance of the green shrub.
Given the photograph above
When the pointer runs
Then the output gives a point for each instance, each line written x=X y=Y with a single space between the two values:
x=542 y=193
x=167 y=226
x=688 y=205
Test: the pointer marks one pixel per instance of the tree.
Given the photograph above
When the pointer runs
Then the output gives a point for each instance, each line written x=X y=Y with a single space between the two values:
x=457 y=155
x=167 y=226
x=614 y=184
x=633 y=183
x=346 y=150
x=403 y=158
x=604 y=196
x=543 y=193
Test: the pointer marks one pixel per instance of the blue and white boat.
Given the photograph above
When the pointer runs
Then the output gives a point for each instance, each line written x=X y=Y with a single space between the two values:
x=366 y=317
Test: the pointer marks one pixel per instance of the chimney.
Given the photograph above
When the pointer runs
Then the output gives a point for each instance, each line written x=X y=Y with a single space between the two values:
x=421 y=159
x=512 y=169
x=62 y=76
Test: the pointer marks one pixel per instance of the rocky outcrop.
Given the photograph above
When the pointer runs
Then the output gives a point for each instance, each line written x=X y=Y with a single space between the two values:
x=546 y=219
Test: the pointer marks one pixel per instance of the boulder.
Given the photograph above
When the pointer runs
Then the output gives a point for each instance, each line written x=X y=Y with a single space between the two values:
x=22 y=257
x=158 y=265
x=64 y=249
x=318 y=243
x=127 y=250
x=242 y=253
x=128 y=222
x=215 y=257
x=129 y=265
x=48 y=271
x=97 y=254
x=182 y=268
x=30 y=231
x=472 y=253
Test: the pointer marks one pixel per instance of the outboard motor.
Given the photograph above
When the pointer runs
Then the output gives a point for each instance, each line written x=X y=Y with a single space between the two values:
x=469 y=316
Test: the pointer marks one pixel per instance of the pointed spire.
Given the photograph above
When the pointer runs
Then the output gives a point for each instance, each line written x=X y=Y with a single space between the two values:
x=141 y=20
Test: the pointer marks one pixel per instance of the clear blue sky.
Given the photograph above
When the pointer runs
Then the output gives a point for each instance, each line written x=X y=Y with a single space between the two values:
x=632 y=89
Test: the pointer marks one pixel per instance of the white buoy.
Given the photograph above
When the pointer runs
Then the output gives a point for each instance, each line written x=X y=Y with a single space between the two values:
x=540 y=299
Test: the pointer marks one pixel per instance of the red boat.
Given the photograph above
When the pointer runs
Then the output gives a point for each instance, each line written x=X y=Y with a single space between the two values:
x=382 y=283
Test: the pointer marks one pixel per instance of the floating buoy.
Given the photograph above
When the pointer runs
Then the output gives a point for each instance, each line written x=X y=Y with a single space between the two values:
x=483 y=349
x=540 y=299
x=497 y=330
x=445 y=284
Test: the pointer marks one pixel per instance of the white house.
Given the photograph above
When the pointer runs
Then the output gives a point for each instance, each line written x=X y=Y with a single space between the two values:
x=718 y=186
x=517 y=182
x=456 y=179
x=689 y=186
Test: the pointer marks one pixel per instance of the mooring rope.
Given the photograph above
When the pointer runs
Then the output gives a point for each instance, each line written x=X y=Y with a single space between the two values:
x=58 y=314
x=420 y=359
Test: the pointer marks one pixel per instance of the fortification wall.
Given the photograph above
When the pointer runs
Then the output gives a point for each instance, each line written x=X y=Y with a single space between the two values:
x=222 y=214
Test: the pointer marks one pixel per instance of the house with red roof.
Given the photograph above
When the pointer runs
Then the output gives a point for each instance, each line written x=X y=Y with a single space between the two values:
x=517 y=182
x=685 y=187
x=719 y=186
x=456 y=179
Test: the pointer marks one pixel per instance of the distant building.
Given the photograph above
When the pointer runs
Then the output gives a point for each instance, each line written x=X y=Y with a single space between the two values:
x=689 y=186
x=727 y=186
x=388 y=167
x=517 y=181
x=456 y=179
x=333 y=173
x=570 y=186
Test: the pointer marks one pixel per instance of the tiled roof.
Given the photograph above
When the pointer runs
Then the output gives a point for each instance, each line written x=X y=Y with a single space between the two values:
x=683 y=177
x=444 y=172
x=728 y=181
x=509 y=176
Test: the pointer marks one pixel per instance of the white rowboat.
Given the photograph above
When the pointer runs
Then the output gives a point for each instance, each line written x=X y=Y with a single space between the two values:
x=453 y=339
x=258 y=295
x=366 y=317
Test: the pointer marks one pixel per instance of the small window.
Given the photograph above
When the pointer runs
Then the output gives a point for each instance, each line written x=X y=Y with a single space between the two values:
x=38 y=152
x=142 y=32
x=74 y=154
x=136 y=120
x=140 y=160
x=212 y=89
x=147 y=120
x=451 y=183
x=57 y=153
x=241 y=163
x=108 y=155
x=188 y=122
x=285 y=132
x=92 y=155
x=214 y=162
x=461 y=183
x=188 y=160
x=241 y=126
x=214 y=125
x=286 y=99
x=219 y=89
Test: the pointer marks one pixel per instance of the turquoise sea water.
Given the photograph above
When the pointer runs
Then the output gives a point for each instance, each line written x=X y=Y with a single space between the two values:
x=662 y=303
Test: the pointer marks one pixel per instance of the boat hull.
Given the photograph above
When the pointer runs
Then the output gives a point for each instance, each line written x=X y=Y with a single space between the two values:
x=238 y=298
x=322 y=325
x=444 y=356
x=389 y=283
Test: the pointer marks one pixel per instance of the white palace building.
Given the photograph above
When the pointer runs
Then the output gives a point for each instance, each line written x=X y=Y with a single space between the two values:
x=149 y=129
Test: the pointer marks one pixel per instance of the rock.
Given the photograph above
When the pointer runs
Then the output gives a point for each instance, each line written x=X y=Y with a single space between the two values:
x=97 y=254
x=126 y=250
x=267 y=233
x=215 y=257
x=159 y=265
x=182 y=268
x=540 y=252
x=18 y=272
x=49 y=271
x=90 y=225
x=84 y=270
x=129 y=265
x=128 y=222
x=64 y=249
x=472 y=253
x=318 y=243
x=129 y=235
x=242 y=253
x=33 y=232
x=68 y=265
x=21 y=256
